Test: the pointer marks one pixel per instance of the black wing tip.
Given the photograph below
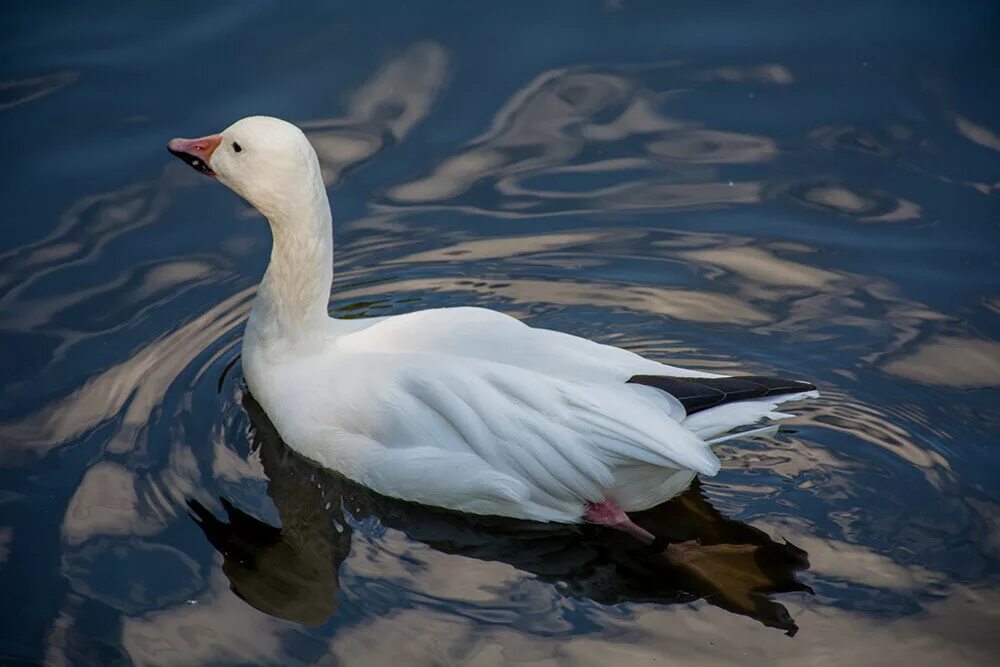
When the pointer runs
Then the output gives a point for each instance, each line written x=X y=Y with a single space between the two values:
x=780 y=385
x=697 y=394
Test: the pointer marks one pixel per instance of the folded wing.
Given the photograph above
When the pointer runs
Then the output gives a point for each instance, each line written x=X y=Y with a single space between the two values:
x=533 y=439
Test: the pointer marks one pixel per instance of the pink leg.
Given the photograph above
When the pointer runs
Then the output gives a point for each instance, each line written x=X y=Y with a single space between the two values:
x=610 y=515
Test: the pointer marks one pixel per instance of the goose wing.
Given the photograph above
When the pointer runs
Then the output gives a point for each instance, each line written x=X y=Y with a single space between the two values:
x=706 y=403
x=487 y=437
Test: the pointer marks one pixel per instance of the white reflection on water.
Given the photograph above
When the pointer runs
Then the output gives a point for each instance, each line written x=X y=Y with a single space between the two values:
x=397 y=97
x=977 y=133
x=129 y=391
x=219 y=628
x=952 y=629
x=950 y=361
x=578 y=120
x=15 y=92
x=105 y=503
x=674 y=303
x=774 y=74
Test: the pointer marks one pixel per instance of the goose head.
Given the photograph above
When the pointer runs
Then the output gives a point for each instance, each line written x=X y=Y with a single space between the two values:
x=267 y=161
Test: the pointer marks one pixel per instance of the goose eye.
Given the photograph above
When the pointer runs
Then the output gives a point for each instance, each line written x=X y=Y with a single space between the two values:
x=237 y=147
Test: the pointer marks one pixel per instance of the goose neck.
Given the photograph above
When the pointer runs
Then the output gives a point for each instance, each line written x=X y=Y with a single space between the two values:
x=292 y=299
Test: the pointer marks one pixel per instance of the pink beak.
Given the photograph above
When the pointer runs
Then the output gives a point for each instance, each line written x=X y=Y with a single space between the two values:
x=196 y=152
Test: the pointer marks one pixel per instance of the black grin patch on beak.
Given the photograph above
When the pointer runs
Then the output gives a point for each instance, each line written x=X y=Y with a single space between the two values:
x=193 y=161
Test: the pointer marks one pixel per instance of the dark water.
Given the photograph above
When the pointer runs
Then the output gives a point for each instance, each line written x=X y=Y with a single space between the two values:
x=804 y=188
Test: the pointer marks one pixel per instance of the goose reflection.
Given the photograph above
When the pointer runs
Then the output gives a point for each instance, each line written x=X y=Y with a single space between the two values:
x=291 y=572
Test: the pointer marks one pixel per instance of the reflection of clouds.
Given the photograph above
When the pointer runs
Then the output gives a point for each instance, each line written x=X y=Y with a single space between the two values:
x=863 y=205
x=105 y=503
x=955 y=630
x=839 y=198
x=402 y=91
x=167 y=277
x=16 y=92
x=137 y=384
x=790 y=458
x=60 y=633
x=446 y=576
x=978 y=134
x=864 y=422
x=451 y=178
x=219 y=628
x=390 y=104
x=676 y=303
x=907 y=146
x=177 y=574
x=509 y=246
x=867 y=207
x=989 y=514
x=904 y=209
x=602 y=124
x=633 y=196
x=818 y=300
x=640 y=117
x=434 y=637
x=713 y=146
x=228 y=465
x=761 y=266
x=80 y=239
x=774 y=74
x=839 y=560
x=856 y=139
x=950 y=361
x=111 y=500
x=81 y=234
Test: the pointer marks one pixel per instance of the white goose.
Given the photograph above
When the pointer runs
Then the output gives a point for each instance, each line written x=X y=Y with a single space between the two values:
x=463 y=408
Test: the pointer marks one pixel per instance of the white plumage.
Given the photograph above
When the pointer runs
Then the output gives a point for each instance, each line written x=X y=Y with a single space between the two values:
x=463 y=408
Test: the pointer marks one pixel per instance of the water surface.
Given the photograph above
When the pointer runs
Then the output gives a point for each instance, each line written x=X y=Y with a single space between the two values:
x=760 y=187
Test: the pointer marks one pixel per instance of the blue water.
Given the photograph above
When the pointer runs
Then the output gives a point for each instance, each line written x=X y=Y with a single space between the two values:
x=774 y=187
